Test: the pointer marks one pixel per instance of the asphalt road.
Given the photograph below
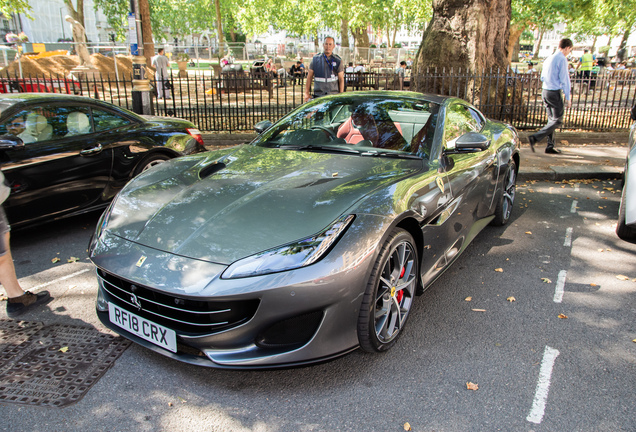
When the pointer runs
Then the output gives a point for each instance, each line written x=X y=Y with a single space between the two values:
x=534 y=370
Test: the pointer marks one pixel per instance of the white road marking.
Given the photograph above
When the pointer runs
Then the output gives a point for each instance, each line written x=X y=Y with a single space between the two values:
x=560 y=286
x=53 y=282
x=543 y=385
x=568 y=237
x=574 y=204
x=576 y=187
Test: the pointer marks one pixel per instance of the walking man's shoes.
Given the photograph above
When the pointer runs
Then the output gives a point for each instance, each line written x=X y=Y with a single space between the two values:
x=18 y=305
x=532 y=140
x=552 y=150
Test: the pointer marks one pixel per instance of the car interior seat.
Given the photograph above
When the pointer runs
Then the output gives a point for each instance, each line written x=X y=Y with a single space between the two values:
x=77 y=123
x=384 y=134
x=37 y=126
x=349 y=133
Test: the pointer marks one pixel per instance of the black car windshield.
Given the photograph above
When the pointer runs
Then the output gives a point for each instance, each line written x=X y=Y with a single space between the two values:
x=364 y=124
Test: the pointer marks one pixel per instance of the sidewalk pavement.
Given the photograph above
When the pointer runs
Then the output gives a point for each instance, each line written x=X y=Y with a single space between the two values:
x=585 y=155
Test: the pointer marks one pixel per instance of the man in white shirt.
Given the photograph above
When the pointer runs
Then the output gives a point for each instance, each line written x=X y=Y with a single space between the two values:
x=161 y=62
x=556 y=79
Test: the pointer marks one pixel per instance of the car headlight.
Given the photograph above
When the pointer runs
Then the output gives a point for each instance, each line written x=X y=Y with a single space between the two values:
x=295 y=255
x=100 y=228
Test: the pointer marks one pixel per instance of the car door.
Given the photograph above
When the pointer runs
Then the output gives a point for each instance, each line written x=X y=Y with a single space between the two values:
x=472 y=175
x=63 y=166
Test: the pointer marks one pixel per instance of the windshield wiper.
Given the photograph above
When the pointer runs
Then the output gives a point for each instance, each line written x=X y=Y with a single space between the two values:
x=312 y=147
x=390 y=154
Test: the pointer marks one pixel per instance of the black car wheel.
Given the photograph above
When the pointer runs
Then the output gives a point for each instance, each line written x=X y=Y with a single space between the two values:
x=150 y=161
x=623 y=231
x=507 y=200
x=389 y=294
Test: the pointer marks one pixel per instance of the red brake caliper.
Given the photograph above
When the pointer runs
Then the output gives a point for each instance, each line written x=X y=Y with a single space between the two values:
x=399 y=293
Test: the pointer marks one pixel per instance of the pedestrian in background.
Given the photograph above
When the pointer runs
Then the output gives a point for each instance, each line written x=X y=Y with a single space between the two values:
x=19 y=301
x=161 y=62
x=556 y=79
x=326 y=70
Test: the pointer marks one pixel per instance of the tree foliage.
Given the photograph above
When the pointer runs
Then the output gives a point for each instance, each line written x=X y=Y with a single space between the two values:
x=8 y=7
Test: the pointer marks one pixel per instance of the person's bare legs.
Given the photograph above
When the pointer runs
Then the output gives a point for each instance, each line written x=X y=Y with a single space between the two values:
x=8 y=278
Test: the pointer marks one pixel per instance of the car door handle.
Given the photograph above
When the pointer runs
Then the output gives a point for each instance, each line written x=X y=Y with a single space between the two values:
x=92 y=150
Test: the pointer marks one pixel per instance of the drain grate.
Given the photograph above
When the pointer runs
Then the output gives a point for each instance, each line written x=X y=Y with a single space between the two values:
x=53 y=365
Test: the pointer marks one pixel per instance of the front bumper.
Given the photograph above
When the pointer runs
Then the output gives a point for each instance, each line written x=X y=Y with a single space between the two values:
x=284 y=319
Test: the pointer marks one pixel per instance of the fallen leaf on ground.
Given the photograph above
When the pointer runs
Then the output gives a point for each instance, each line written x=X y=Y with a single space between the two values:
x=528 y=232
x=593 y=284
x=63 y=349
x=472 y=386
x=622 y=277
x=546 y=280
x=511 y=299
x=73 y=259
x=478 y=310
x=407 y=426
x=468 y=298
x=500 y=270
x=55 y=260
x=562 y=316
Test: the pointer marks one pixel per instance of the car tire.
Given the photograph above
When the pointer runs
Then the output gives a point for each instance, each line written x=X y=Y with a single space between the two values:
x=150 y=161
x=507 y=199
x=385 y=308
x=623 y=231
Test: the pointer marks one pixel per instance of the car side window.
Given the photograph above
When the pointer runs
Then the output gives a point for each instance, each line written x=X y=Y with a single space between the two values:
x=479 y=120
x=51 y=122
x=16 y=126
x=459 y=120
x=105 y=120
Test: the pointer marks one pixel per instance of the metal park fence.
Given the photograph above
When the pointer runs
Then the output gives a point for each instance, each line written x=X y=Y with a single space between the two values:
x=236 y=100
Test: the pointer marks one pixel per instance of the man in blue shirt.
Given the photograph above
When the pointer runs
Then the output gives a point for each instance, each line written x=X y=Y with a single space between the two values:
x=556 y=79
x=327 y=70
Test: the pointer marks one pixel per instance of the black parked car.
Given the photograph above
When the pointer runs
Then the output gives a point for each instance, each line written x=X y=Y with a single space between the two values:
x=64 y=155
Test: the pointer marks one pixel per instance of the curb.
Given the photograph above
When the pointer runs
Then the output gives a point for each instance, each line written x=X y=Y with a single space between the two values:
x=559 y=173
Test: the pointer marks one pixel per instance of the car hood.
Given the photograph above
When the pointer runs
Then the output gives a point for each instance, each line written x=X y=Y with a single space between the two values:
x=223 y=206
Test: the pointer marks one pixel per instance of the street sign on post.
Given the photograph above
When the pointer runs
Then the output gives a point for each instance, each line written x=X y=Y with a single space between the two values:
x=141 y=98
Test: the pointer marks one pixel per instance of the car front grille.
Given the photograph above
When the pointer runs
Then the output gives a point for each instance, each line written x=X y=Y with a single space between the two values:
x=188 y=317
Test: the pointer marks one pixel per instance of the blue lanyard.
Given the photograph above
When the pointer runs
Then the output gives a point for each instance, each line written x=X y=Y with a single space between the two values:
x=328 y=62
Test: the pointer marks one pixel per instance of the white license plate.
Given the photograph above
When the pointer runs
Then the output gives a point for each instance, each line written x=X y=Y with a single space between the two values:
x=147 y=330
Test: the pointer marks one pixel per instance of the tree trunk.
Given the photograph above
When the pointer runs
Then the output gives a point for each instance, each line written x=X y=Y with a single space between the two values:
x=76 y=14
x=361 y=41
x=316 y=41
x=466 y=35
x=593 y=49
x=535 y=56
x=360 y=37
x=219 y=27
x=513 y=41
x=344 y=33
x=622 y=49
x=146 y=31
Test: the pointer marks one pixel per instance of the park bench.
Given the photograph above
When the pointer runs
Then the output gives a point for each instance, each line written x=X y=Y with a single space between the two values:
x=235 y=80
x=362 y=80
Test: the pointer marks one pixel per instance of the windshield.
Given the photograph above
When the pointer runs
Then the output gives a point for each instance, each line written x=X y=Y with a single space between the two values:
x=367 y=125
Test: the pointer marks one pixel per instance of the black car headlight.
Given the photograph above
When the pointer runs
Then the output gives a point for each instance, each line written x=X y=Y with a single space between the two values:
x=294 y=255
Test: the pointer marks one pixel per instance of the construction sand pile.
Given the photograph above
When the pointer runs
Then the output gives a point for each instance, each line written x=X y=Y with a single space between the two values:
x=61 y=66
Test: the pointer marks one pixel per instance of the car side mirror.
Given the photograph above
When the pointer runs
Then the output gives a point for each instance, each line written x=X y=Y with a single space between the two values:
x=472 y=141
x=10 y=142
x=262 y=126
